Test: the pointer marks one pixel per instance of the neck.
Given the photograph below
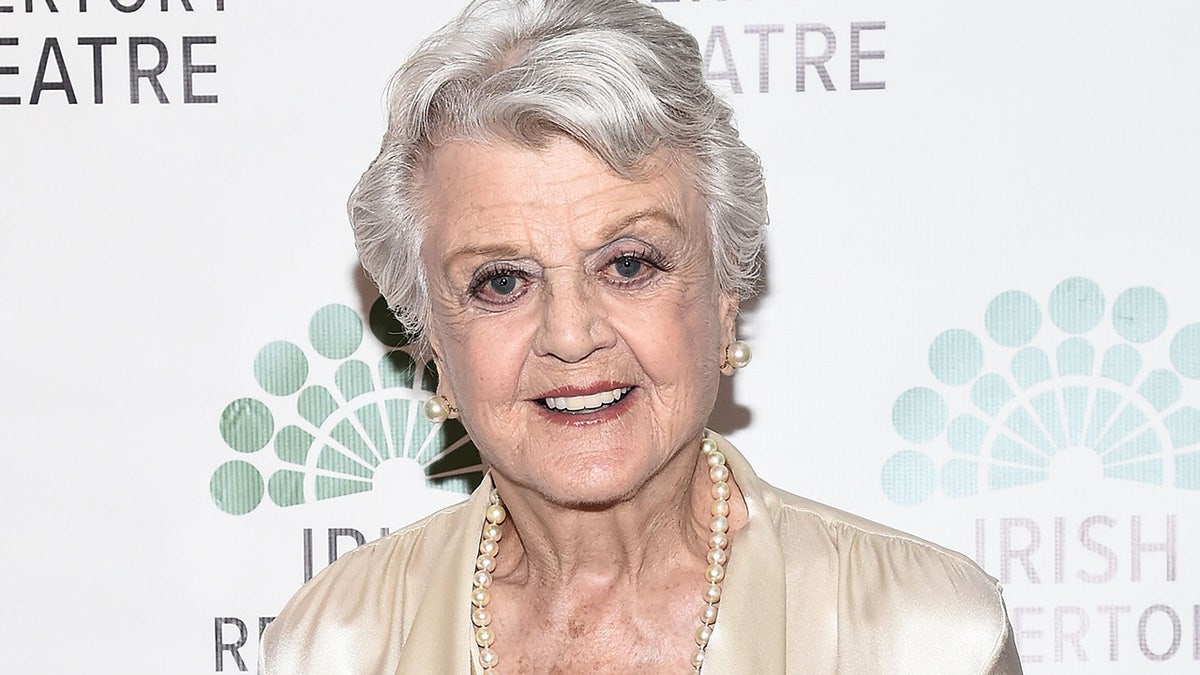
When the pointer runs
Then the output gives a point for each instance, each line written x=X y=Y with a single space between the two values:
x=625 y=543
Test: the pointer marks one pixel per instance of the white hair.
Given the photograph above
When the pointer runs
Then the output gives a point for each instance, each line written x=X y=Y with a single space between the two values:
x=614 y=75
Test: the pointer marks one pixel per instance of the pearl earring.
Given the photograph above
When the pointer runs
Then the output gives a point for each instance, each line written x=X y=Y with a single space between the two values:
x=737 y=355
x=438 y=409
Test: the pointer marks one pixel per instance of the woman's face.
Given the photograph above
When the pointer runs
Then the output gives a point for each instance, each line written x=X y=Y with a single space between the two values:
x=577 y=322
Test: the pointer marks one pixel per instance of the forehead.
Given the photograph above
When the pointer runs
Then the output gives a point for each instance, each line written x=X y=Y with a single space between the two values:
x=502 y=194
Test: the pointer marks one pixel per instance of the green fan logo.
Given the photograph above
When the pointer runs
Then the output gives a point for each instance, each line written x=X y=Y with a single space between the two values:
x=1038 y=401
x=330 y=436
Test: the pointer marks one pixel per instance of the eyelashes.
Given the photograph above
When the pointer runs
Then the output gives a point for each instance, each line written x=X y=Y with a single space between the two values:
x=645 y=254
x=634 y=269
x=498 y=283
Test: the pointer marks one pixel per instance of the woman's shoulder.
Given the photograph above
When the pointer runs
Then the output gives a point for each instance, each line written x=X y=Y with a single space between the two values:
x=382 y=560
x=369 y=593
x=845 y=530
x=896 y=591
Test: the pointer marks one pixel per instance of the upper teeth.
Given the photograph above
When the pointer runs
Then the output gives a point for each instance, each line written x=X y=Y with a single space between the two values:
x=577 y=403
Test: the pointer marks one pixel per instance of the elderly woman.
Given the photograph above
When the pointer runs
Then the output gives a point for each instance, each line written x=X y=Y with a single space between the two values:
x=564 y=214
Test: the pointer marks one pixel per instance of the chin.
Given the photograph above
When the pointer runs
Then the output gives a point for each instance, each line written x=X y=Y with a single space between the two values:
x=595 y=498
x=593 y=487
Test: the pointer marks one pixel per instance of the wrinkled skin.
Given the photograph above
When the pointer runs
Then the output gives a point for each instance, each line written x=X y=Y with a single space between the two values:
x=549 y=224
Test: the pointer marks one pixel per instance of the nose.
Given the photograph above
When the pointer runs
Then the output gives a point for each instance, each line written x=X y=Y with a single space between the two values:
x=573 y=323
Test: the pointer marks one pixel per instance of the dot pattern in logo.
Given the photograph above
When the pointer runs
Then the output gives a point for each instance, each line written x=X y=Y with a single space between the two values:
x=1067 y=390
x=329 y=439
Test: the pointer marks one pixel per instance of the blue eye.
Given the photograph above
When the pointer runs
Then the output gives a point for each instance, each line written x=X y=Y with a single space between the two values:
x=628 y=266
x=504 y=284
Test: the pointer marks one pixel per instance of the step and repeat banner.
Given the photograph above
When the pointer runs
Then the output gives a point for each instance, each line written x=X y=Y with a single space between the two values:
x=981 y=321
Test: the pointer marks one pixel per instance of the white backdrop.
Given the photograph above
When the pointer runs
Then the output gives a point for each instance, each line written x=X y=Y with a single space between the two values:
x=151 y=251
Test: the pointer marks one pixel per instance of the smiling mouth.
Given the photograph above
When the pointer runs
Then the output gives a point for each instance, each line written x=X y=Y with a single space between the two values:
x=585 y=404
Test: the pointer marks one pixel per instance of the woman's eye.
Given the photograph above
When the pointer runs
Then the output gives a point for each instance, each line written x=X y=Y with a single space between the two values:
x=499 y=287
x=628 y=266
x=504 y=284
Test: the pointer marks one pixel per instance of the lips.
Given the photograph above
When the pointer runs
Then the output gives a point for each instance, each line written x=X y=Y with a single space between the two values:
x=585 y=403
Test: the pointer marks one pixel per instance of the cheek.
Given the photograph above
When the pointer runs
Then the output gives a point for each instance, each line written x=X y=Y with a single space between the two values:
x=674 y=340
x=484 y=358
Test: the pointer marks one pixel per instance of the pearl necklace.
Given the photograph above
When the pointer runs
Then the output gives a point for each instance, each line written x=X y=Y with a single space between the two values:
x=714 y=573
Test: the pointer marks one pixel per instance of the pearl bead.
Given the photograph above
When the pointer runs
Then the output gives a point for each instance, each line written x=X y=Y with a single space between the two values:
x=738 y=355
x=718 y=556
x=718 y=540
x=486 y=563
x=698 y=659
x=488 y=547
x=719 y=524
x=480 y=597
x=496 y=514
x=721 y=490
x=484 y=636
x=494 y=497
x=483 y=579
x=492 y=531
x=716 y=457
x=708 y=445
x=437 y=409
x=703 y=635
x=712 y=594
x=715 y=573
x=719 y=473
x=488 y=658
x=481 y=617
x=708 y=615
x=720 y=508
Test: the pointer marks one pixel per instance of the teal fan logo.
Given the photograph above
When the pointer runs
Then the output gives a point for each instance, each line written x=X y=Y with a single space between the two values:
x=1084 y=394
x=332 y=436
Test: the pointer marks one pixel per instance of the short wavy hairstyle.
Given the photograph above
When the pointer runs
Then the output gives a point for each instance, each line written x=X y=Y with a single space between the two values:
x=614 y=75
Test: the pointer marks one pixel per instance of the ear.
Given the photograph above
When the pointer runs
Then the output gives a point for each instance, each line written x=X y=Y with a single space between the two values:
x=729 y=304
x=434 y=351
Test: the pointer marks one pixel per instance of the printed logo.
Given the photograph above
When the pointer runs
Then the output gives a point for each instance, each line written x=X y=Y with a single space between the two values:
x=333 y=435
x=1077 y=399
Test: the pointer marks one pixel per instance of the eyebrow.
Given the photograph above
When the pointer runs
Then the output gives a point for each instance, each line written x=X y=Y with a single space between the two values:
x=487 y=251
x=625 y=223
x=607 y=234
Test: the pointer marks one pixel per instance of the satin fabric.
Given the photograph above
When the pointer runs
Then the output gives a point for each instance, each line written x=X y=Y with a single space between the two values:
x=808 y=589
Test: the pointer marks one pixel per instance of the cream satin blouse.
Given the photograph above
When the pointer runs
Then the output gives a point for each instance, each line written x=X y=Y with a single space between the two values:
x=809 y=589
